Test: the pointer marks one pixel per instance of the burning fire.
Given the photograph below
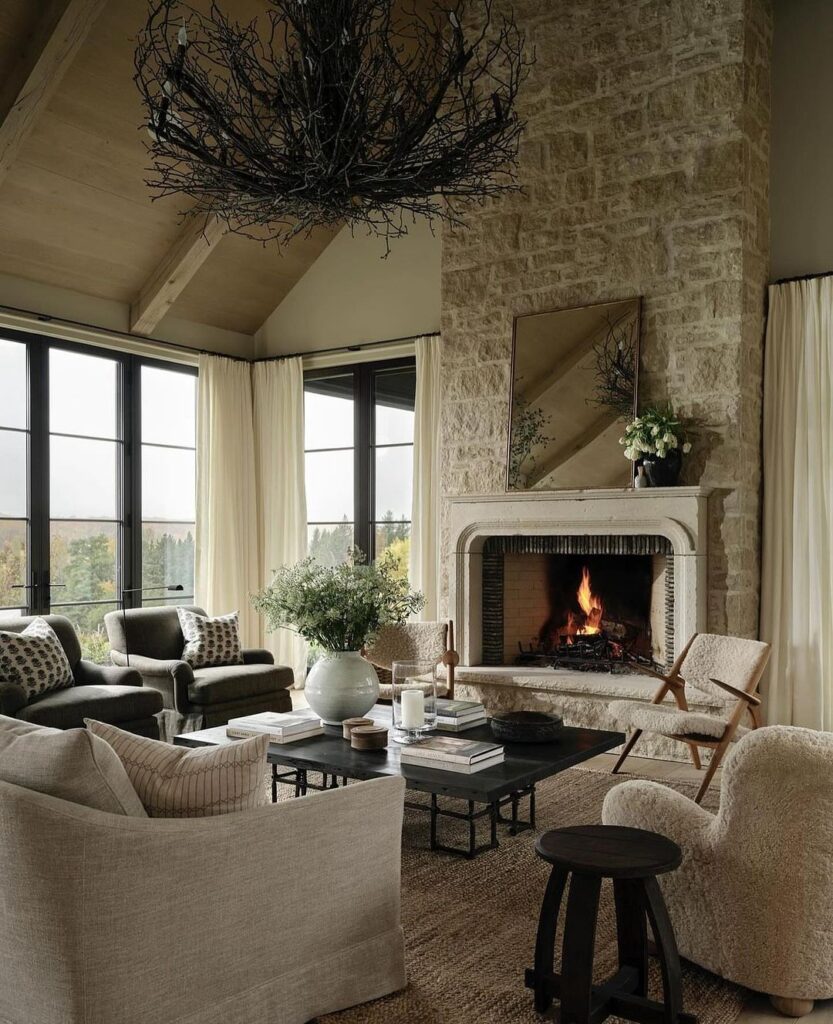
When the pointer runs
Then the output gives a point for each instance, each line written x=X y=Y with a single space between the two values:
x=591 y=605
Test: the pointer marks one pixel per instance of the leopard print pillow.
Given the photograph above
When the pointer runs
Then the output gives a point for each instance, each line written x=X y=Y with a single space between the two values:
x=210 y=641
x=34 y=659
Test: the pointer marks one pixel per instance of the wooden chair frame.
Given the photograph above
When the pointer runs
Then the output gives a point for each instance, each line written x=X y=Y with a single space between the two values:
x=450 y=660
x=748 y=701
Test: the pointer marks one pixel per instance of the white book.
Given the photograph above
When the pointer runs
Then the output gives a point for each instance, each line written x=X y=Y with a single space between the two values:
x=278 y=723
x=455 y=725
x=450 y=748
x=453 y=766
x=241 y=733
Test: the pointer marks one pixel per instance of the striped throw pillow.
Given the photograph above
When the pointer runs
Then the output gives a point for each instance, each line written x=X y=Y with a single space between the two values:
x=178 y=782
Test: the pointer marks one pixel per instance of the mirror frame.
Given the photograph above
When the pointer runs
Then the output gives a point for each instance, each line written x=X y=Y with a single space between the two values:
x=634 y=410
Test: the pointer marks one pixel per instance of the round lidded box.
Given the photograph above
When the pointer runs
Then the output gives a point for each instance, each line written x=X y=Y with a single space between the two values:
x=526 y=726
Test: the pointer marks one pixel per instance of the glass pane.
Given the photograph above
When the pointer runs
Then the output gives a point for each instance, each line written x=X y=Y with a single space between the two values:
x=168 y=484
x=168 y=558
x=82 y=557
x=394 y=392
x=394 y=538
x=12 y=473
x=89 y=624
x=12 y=563
x=329 y=482
x=12 y=384
x=169 y=411
x=394 y=472
x=82 y=394
x=330 y=545
x=156 y=602
x=328 y=413
x=82 y=478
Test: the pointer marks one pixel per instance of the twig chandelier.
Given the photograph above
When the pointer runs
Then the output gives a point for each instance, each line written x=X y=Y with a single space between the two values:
x=359 y=111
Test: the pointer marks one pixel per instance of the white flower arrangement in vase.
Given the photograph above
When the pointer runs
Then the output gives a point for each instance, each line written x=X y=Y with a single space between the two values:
x=657 y=441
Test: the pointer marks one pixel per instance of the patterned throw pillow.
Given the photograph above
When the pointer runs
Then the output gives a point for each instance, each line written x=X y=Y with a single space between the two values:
x=210 y=641
x=175 y=782
x=34 y=659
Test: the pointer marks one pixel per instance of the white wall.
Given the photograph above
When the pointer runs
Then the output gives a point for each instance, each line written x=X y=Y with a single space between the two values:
x=802 y=138
x=350 y=294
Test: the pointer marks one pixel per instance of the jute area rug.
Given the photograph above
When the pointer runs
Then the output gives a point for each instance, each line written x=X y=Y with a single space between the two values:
x=470 y=925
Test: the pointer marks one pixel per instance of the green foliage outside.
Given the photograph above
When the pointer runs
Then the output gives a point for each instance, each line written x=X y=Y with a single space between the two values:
x=86 y=564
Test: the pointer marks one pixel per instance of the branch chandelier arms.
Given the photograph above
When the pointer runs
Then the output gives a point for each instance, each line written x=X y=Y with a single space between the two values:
x=332 y=111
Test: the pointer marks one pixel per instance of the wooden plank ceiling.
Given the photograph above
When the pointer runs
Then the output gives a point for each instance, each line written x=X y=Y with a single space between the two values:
x=74 y=209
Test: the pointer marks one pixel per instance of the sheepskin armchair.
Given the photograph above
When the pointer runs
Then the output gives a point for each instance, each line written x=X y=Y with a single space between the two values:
x=753 y=899
x=414 y=641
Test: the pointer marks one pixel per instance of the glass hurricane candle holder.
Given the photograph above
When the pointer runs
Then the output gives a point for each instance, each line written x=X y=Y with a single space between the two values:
x=414 y=699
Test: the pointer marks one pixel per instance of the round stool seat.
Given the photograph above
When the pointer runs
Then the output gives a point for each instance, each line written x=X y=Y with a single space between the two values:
x=609 y=851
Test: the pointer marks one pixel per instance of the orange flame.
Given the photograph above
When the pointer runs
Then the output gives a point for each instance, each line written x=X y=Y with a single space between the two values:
x=590 y=604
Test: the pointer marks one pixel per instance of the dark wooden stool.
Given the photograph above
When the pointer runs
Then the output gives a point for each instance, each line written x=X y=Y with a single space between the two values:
x=632 y=858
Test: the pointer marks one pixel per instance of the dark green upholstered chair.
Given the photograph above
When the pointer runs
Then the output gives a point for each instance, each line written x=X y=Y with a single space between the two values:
x=150 y=640
x=109 y=694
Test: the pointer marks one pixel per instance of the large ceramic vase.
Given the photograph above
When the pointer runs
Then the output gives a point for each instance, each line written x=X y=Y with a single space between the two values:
x=664 y=472
x=341 y=684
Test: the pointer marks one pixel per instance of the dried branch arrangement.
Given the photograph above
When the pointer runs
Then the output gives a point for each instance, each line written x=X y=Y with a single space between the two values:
x=615 y=370
x=331 y=111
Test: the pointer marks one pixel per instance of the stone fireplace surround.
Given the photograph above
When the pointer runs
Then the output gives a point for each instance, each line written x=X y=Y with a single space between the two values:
x=679 y=514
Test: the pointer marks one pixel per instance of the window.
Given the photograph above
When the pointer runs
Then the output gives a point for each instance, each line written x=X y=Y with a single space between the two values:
x=97 y=489
x=359 y=438
x=169 y=457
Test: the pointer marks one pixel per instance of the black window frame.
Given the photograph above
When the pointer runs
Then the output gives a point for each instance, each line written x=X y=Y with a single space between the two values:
x=364 y=442
x=38 y=586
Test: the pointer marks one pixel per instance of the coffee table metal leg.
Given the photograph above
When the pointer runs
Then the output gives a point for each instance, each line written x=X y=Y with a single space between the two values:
x=532 y=806
x=274 y=783
x=493 y=824
x=472 y=832
x=434 y=815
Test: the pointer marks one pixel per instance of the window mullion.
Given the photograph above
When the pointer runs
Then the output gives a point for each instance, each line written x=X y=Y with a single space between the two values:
x=38 y=359
x=363 y=493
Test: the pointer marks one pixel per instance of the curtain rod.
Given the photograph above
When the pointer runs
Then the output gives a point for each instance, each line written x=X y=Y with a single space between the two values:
x=48 y=318
x=359 y=346
x=805 y=277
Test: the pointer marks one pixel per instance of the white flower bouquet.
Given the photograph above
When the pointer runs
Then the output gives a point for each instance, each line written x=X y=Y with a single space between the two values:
x=656 y=434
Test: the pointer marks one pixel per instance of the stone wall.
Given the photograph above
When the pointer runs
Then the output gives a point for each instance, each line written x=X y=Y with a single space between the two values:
x=645 y=170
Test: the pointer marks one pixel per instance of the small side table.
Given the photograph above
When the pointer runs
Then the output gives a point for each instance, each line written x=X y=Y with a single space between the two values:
x=632 y=858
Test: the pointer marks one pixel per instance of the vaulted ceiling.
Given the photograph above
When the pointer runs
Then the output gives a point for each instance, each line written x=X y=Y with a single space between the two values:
x=74 y=209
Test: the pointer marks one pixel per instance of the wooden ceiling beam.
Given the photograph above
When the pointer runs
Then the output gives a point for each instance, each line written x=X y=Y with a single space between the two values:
x=196 y=243
x=28 y=90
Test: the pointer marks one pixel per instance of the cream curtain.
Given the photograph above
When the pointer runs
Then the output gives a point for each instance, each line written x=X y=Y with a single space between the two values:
x=425 y=511
x=279 y=445
x=797 y=594
x=226 y=563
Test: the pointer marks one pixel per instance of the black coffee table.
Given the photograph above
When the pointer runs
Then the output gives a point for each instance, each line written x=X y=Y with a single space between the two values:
x=487 y=793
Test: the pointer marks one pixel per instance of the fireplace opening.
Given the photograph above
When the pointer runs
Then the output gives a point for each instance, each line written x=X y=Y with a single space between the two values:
x=598 y=613
x=595 y=604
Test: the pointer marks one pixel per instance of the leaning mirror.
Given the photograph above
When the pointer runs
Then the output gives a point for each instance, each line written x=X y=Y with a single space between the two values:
x=574 y=379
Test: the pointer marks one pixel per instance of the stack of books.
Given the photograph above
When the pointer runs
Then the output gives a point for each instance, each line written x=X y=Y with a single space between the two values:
x=449 y=754
x=459 y=715
x=286 y=727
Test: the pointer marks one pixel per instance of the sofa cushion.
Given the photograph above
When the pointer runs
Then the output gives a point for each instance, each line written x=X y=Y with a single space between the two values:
x=210 y=641
x=34 y=659
x=178 y=782
x=72 y=765
x=67 y=709
x=221 y=684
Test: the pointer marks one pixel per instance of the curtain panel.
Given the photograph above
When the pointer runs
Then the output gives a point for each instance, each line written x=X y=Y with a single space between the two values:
x=227 y=557
x=282 y=504
x=425 y=511
x=797 y=599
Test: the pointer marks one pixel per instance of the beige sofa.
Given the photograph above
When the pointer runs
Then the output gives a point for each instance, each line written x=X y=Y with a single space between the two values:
x=753 y=899
x=278 y=914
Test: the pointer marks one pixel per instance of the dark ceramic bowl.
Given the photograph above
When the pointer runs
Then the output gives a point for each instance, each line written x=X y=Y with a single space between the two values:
x=526 y=726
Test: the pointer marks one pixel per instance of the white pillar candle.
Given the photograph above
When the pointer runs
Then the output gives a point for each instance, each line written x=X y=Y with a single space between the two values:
x=413 y=708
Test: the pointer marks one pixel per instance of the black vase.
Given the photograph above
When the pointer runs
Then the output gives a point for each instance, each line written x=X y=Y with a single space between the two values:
x=664 y=472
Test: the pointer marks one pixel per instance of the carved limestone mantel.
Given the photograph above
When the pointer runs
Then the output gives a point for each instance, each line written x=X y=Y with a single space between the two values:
x=677 y=513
